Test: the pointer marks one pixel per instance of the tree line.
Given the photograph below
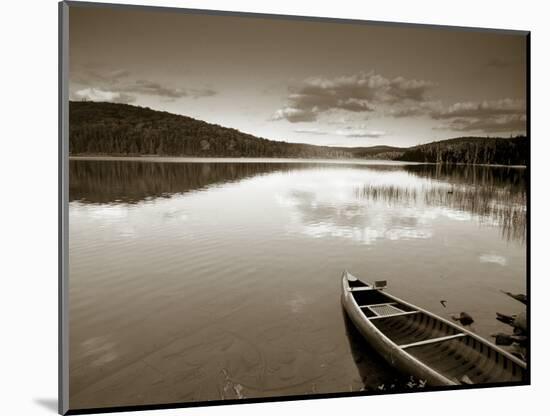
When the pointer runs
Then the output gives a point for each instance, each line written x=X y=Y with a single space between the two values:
x=99 y=128
x=121 y=129
x=472 y=150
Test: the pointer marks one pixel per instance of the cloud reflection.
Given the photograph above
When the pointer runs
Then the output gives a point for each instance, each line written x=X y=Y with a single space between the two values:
x=371 y=205
x=493 y=258
x=318 y=215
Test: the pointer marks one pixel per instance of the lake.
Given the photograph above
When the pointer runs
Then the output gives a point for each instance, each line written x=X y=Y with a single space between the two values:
x=196 y=280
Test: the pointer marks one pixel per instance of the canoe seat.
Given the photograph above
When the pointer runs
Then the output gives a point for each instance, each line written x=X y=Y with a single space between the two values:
x=385 y=309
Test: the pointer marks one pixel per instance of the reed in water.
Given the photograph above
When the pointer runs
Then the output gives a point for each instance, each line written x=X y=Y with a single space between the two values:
x=504 y=207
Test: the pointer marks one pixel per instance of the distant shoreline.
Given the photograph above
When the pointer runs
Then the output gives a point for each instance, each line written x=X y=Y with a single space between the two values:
x=224 y=159
x=221 y=159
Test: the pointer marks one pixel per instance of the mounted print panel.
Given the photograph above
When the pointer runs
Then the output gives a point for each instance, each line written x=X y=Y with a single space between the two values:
x=260 y=208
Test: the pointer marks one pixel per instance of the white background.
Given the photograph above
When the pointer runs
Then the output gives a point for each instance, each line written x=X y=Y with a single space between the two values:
x=28 y=208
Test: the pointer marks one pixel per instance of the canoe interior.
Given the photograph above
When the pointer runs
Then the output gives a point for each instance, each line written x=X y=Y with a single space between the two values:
x=417 y=327
x=461 y=357
x=380 y=302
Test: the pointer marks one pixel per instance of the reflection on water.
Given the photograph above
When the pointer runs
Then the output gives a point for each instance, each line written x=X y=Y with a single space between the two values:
x=491 y=176
x=502 y=206
x=201 y=281
x=375 y=374
x=105 y=181
x=492 y=194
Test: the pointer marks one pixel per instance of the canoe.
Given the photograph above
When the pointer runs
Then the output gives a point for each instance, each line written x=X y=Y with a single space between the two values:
x=422 y=344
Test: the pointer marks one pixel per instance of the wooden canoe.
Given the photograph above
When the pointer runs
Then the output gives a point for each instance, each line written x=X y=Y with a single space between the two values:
x=422 y=344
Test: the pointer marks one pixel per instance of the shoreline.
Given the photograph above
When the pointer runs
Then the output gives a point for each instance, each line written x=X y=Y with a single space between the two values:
x=194 y=159
x=225 y=159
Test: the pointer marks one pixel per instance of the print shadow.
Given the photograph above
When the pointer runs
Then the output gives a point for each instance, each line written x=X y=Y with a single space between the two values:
x=49 y=404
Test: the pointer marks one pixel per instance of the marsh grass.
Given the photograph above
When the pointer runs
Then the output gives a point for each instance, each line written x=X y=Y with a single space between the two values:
x=503 y=206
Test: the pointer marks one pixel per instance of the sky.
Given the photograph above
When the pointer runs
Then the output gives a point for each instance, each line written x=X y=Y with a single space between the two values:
x=323 y=83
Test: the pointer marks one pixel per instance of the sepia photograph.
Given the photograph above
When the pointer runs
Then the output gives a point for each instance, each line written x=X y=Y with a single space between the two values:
x=265 y=207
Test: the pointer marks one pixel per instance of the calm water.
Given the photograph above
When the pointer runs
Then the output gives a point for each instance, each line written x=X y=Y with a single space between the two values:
x=202 y=280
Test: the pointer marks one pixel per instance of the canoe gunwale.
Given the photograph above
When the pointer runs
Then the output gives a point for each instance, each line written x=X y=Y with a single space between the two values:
x=393 y=315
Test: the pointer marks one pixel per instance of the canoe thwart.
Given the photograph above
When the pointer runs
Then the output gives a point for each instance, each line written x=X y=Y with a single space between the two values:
x=393 y=315
x=432 y=341
x=378 y=304
x=360 y=288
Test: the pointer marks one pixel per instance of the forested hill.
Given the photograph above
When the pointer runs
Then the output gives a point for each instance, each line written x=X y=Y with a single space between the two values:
x=471 y=150
x=97 y=128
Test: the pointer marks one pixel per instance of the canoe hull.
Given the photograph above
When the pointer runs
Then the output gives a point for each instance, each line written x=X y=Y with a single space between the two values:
x=393 y=355
x=422 y=344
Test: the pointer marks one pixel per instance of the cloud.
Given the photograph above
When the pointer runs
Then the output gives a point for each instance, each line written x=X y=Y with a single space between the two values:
x=498 y=116
x=94 y=94
x=204 y=92
x=145 y=87
x=408 y=89
x=311 y=131
x=407 y=112
x=156 y=89
x=360 y=92
x=506 y=106
x=360 y=133
x=351 y=132
x=119 y=86
x=502 y=124
x=95 y=75
x=294 y=115
x=414 y=109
